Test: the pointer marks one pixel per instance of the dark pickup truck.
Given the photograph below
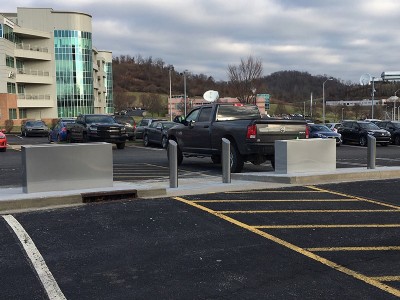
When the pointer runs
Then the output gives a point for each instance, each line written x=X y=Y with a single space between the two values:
x=251 y=137
x=97 y=128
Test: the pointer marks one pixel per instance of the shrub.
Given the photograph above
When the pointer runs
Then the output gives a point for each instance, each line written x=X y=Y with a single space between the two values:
x=9 y=124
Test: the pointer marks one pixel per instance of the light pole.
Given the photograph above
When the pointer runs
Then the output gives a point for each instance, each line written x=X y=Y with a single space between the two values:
x=323 y=99
x=373 y=94
x=394 y=107
x=170 y=95
x=342 y=113
x=184 y=87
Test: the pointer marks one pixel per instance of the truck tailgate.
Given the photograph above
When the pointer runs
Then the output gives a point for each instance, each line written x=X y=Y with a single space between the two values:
x=269 y=130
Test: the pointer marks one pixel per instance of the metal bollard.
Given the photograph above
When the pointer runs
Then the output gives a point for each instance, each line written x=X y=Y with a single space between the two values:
x=226 y=161
x=371 y=152
x=173 y=164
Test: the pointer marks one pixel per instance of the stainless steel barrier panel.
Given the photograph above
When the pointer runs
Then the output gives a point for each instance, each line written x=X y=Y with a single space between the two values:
x=173 y=164
x=371 y=152
x=63 y=167
x=305 y=155
x=226 y=161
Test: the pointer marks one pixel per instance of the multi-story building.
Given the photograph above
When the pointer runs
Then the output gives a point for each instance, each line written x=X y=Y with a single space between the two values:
x=49 y=67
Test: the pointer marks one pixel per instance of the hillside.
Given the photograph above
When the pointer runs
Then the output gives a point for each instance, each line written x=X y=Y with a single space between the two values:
x=147 y=75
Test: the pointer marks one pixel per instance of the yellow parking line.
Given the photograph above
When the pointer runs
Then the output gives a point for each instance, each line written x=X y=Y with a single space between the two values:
x=297 y=249
x=326 y=226
x=305 y=211
x=386 y=278
x=383 y=248
x=275 y=200
x=274 y=191
x=354 y=197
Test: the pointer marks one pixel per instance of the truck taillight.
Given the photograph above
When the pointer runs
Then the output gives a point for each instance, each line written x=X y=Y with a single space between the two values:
x=251 y=131
x=307 y=132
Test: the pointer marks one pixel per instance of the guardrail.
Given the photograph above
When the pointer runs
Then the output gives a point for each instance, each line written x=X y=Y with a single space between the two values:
x=34 y=97
x=33 y=72
x=30 y=47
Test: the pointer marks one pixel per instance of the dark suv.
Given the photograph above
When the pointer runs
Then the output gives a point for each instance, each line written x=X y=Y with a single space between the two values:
x=394 y=128
x=358 y=131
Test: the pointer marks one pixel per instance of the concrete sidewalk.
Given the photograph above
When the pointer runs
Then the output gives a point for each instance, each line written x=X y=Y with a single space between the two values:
x=14 y=199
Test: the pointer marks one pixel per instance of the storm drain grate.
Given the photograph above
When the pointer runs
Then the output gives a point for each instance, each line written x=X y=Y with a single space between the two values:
x=108 y=196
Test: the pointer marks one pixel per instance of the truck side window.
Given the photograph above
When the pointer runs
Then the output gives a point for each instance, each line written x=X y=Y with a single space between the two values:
x=205 y=114
x=193 y=115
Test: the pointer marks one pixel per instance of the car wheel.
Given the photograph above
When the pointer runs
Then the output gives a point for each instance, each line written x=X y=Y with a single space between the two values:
x=384 y=144
x=25 y=134
x=120 y=145
x=363 y=141
x=164 y=142
x=69 y=138
x=85 y=138
x=397 y=140
x=146 y=141
x=216 y=159
x=58 y=138
x=236 y=159
x=49 y=138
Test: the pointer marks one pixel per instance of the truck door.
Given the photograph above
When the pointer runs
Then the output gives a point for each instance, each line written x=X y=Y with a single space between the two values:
x=197 y=132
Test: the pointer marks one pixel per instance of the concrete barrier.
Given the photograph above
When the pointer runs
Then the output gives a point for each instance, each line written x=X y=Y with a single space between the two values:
x=305 y=155
x=64 y=167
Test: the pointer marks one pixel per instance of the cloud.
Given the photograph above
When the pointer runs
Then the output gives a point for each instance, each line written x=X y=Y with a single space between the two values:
x=344 y=39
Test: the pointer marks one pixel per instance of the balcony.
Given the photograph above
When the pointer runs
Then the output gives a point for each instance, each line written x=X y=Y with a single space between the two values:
x=33 y=76
x=34 y=52
x=34 y=100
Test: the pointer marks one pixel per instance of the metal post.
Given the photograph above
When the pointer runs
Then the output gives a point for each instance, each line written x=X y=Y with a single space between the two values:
x=226 y=161
x=173 y=164
x=373 y=96
x=371 y=152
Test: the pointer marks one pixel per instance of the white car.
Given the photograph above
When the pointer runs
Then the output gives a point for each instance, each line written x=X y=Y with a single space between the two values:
x=333 y=126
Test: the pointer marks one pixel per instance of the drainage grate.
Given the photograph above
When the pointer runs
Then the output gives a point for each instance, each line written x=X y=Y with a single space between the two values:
x=108 y=196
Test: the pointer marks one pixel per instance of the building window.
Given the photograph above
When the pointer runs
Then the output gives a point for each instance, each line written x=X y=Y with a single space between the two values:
x=10 y=61
x=11 y=88
x=74 y=72
x=22 y=113
x=12 y=113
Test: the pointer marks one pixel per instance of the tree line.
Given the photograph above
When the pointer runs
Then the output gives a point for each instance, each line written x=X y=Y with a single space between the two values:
x=151 y=78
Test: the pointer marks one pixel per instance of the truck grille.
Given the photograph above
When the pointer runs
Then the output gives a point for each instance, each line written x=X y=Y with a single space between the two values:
x=109 y=131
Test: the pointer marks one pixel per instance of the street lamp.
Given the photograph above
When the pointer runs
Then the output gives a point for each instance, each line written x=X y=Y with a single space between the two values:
x=184 y=88
x=342 y=113
x=170 y=95
x=394 y=107
x=323 y=99
x=373 y=94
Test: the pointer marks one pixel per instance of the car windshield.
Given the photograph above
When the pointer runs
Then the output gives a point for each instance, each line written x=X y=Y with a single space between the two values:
x=99 y=119
x=128 y=120
x=35 y=123
x=319 y=128
x=369 y=126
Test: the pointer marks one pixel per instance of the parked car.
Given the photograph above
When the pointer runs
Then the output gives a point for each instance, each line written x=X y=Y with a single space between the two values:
x=394 y=128
x=333 y=126
x=323 y=132
x=372 y=120
x=129 y=124
x=34 y=127
x=157 y=133
x=59 y=132
x=358 y=132
x=144 y=123
x=3 y=140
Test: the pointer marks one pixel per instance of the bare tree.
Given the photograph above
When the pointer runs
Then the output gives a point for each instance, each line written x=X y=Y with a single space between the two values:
x=244 y=78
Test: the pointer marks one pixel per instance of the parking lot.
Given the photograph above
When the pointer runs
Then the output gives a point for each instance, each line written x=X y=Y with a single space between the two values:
x=298 y=242
x=311 y=242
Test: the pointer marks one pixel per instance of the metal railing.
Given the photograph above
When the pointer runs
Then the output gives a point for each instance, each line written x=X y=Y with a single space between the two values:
x=33 y=72
x=30 y=47
x=34 y=96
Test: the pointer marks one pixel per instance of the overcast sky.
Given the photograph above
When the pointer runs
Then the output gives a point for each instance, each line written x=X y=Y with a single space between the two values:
x=340 y=38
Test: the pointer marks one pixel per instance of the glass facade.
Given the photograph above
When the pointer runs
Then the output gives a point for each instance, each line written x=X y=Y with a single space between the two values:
x=109 y=88
x=74 y=72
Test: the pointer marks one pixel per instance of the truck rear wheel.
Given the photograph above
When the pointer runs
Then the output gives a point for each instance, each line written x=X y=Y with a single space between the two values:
x=121 y=145
x=236 y=159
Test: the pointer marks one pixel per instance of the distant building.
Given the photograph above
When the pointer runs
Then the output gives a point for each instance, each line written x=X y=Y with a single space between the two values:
x=49 y=67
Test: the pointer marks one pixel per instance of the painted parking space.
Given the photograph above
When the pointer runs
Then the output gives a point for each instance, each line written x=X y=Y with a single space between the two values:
x=355 y=235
